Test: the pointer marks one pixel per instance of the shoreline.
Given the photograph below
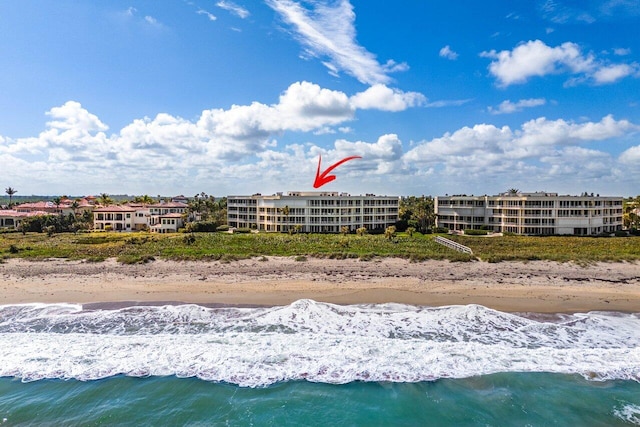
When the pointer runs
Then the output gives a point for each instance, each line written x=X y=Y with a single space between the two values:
x=535 y=287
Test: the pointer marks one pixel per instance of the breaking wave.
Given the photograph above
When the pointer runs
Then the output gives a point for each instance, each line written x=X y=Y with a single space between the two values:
x=311 y=341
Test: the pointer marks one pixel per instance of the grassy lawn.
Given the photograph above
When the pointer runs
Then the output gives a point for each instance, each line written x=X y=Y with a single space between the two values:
x=139 y=247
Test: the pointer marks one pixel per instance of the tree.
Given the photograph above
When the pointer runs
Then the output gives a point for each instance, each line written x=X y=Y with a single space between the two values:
x=631 y=213
x=285 y=211
x=10 y=191
x=418 y=212
x=513 y=191
x=205 y=208
x=75 y=205
x=105 y=200
x=145 y=200
x=390 y=232
x=56 y=201
x=344 y=230
x=361 y=231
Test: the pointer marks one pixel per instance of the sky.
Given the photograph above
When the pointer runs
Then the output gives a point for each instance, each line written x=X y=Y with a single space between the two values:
x=242 y=97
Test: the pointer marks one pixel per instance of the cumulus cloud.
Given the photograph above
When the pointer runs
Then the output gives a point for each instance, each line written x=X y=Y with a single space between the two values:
x=447 y=53
x=487 y=150
x=536 y=59
x=508 y=107
x=613 y=73
x=328 y=32
x=169 y=147
x=235 y=149
x=383 y=98
x=631 y=156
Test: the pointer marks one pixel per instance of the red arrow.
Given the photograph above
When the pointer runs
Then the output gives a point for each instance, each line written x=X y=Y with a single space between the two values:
x=324 y=178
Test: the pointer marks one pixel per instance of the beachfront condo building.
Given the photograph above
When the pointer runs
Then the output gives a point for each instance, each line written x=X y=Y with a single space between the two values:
x=312 y=212
x=538 y=213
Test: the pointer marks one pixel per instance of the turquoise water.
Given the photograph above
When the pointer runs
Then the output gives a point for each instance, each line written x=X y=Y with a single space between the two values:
x=498 y=400
x=312 y=363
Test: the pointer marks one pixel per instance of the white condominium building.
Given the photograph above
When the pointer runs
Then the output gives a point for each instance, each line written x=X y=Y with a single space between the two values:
x=312 y=212
x=537 y=213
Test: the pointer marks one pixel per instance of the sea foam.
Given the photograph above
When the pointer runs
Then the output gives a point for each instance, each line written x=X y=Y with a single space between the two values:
x=311 y=341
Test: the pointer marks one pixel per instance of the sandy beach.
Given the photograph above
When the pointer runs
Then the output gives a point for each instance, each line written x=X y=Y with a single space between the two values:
x=540 y=286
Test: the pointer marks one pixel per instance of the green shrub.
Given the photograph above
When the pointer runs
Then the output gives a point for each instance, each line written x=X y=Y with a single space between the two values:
x=301 y=258
x=471 y=232
x=440 y=230
x=376 y=231
x=224 y=227
x=201 y=227
x=242 y=230
x=620 y=233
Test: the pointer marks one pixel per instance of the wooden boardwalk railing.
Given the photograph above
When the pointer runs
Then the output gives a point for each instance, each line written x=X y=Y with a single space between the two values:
x=453 y=245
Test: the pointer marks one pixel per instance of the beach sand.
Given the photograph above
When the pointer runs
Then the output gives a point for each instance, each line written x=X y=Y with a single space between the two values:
x=537 y=286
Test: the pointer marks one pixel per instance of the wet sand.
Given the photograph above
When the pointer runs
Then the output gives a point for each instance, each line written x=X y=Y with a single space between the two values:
x=537 y=286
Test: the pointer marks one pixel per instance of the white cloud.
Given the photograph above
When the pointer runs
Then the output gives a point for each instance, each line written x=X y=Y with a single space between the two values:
x=152 y=21
x=447 y=53
x=536 y=59
x=621 y=51
x=229 y=6
x=631 y=156
x=579 y=163
x=508 y=107
x=540 y=148
x=381 y=97
x=71 y=115
x=448 y=103
x=613 y=73
x=328 y=32
x=209 y=15
x=235 y=150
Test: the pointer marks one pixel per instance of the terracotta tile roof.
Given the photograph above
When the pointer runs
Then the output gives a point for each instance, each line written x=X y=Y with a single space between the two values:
x=115 y=208
x=15 y=214
x=169 y=205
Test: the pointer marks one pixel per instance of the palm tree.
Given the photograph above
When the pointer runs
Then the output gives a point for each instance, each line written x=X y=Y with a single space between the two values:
x=10 y=191
x=56 y=201
x=105 y=200
x=390 y=232
x=285 y=211
x=513 y=191
x=75 y=205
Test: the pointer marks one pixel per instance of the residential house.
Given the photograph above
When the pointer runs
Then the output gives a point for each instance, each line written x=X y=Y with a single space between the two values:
x=10 y=218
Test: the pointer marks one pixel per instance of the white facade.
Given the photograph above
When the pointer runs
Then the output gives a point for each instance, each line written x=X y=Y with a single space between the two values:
x=312 y=212
x=531 y=213
x=167 y=223
x=12 y=218
x=161 y=217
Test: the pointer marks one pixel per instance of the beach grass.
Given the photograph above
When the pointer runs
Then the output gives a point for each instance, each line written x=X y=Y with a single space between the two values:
x=133 y=248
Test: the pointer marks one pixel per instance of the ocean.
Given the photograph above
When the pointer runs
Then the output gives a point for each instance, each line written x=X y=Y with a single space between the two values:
x=312 y=363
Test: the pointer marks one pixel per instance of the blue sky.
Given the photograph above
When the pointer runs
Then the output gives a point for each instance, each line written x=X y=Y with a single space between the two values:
x=237 y=97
